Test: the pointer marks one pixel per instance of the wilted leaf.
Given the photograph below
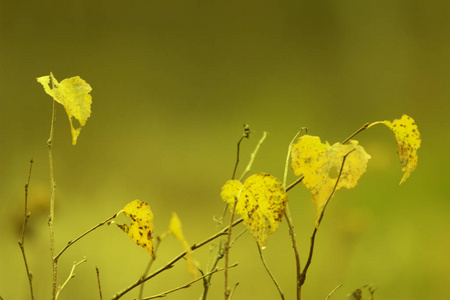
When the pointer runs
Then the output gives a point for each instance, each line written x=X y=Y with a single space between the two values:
x=408 y=140
x=73 y=94
x=177 y=230
x=320 y=164
x=141 y=228
x=261 y=203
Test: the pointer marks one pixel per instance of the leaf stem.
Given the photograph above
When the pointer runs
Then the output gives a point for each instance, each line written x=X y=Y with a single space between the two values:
x=98 y=281
x=364 y=127
x=22 y=240
x=253 y=155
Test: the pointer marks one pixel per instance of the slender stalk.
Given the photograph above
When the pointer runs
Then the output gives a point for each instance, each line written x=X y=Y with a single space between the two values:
x=51 y=217
x=164 y=294
x=253 y=155
x=332 y=292
x=174 y=260
x=149 y=265
x=364 y=127
x=22 y=240
x=313 y=236
x=246 y=135
x=98 y=281
x=71 y=275
x=270 y=273
x=227 y=250
x=297 y=255
x=70 y=243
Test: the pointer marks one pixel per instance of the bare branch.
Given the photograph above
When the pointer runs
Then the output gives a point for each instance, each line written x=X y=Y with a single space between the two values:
x=71 y=275
x=164 y=294
x=22 y=240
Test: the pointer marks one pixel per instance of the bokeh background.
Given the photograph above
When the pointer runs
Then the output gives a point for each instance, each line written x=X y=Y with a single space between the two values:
x=173 y=82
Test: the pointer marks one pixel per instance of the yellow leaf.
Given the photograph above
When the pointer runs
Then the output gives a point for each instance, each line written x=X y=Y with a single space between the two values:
x=408 y=140
x=177 y=230
x=320 y=164
x=73 y=94
x=141 y=228
x=261 y=203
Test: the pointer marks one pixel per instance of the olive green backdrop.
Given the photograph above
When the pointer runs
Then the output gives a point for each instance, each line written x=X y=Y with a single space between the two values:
x=173 y=82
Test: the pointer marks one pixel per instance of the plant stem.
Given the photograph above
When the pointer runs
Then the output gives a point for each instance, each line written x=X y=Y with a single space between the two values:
x=227 y=250
x=98 y=281
x=164 y=294
x=22 y=240
x=174 y=260
x=70 y=243
x=270 y=273
x=364 y=127
x=52 y=204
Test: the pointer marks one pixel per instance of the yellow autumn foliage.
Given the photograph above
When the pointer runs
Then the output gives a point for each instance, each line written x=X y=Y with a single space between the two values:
x=73 y=94
x=320 y=164
x=261 y=202
x=408 y=140
x=141 y=228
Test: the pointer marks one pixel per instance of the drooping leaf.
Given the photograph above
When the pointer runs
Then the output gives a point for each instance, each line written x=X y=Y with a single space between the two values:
x=320 y=164
x=408 y=140
x=177 y=230
x=261 y=202
x=73 y=94
x=141 y=228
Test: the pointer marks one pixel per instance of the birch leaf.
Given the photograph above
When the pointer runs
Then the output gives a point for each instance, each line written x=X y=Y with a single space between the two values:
x=408 y=140
x=320 y=164
x=261 y=202
x=141 y=228
x=73 y=94
x=177 y=230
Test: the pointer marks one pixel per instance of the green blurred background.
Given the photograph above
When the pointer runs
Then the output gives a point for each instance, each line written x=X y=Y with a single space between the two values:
x=173 y=82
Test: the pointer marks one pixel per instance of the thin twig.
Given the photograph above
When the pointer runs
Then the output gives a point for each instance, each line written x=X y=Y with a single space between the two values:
x=71 y=275
x=297 y=255
x=364 y=127
x=227 y=249
x=233 y=290
x=253 y=155
x=98 y=280
x=52 y=203
x=22 y=240
x=164 y=294
x=270 y=273
x=313 y=236
x=70 y=243
x=295 y=183
x=288 y=156
x=174 y=260
x=149 y=265
x=332 y=292
x=246 y=135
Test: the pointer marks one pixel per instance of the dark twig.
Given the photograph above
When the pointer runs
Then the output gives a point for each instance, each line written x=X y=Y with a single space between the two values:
x=364 y=127
x=297 y=255
x=70 y=243
x=174 y=260
x=311 y=249
x=270 y=273
x=22 y=240
x=164 y=294
x=52 y=203
x=150 y=263
x=246 y=135
x=227 y=250
x=98 y=280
